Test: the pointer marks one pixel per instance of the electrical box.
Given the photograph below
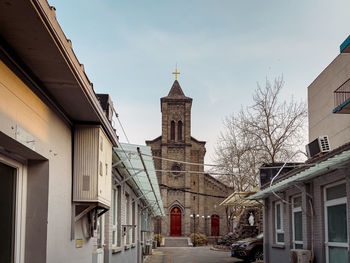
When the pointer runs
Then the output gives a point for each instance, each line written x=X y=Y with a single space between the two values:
x=92 y=175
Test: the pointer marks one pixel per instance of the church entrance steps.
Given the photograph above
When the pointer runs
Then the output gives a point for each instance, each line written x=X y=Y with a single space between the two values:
x=177 y=242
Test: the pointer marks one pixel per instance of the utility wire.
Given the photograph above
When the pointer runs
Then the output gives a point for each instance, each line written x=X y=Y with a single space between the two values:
x=215 y=165
x=117 y=116
x=193 y=172
x=191 y=192
x=173 y=160
x=127 y=156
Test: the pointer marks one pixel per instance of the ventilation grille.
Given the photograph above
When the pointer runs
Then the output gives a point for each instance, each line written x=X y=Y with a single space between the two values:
x=324 y=144
x=86 y=183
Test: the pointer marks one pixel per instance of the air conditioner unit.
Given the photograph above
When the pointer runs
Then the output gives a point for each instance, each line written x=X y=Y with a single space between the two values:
x=300 y=256
x=317 y=146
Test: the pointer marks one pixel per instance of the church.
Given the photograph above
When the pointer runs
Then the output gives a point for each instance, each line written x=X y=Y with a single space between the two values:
x=190 y=196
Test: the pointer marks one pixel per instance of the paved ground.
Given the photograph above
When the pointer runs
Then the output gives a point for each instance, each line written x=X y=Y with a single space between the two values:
x=189 y=255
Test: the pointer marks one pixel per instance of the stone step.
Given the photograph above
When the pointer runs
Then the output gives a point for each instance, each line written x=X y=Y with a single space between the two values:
x=177 y=242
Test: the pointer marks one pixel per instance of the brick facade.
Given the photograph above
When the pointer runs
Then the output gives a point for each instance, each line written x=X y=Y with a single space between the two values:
x=176 y=143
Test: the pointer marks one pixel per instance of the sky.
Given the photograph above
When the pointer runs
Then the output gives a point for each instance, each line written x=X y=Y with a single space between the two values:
x=223 y=48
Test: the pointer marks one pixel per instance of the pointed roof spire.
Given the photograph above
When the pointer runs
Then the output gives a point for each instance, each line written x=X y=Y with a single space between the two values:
x=176 y=90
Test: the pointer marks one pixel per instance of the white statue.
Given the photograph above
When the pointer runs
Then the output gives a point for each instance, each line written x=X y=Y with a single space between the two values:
x=251 y=219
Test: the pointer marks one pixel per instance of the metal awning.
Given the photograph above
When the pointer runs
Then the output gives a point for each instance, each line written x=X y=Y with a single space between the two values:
x=238 y=199
x=318 y=169
x=137 y=160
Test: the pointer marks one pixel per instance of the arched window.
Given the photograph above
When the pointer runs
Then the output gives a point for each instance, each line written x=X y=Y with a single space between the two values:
x=179 y=130
x=172 y=130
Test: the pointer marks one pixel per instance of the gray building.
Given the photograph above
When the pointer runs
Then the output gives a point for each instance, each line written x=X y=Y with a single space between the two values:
x=136 y=201
x=306 y=209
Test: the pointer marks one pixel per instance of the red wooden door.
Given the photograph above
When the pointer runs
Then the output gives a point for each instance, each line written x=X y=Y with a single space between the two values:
x=215 y=225
x=175 y=222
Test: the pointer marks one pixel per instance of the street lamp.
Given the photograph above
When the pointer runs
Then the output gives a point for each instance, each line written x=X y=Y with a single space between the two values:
x=194 y=227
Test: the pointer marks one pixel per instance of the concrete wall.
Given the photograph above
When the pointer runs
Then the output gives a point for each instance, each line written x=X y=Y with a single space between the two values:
x=321 y=103
x=32 y=130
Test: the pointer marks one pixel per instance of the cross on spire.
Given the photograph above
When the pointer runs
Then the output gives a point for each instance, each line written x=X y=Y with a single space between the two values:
x=176 y=73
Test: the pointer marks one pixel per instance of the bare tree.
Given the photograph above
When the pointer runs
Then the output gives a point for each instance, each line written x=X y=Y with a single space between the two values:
x=269 y=131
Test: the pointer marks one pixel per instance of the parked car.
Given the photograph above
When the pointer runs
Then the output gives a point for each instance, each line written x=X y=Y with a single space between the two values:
x=249 y=249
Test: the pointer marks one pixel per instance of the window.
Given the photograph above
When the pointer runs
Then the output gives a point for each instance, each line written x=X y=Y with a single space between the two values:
x=179 y=130
x=336 y=230
x=172 y=130
x=175 y=169
x=297 y=221
x=133 y=221
x=127 y=219
x=114 y=217
x=279 y=223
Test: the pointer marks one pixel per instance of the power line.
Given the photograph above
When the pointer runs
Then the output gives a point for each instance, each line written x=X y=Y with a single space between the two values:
x=191 y=192
x=193 y=172
x=117 y=116
x=173 y=160
x=215 y=165
x=128 y=157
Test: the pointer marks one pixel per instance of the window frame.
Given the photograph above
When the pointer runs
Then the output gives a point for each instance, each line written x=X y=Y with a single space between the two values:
x=115 y=217
x=330 y=203
x=127 y=219
x=133 y=221
x=179 y=130
x=281 y=230
x=296 y=210
x=19 y=207
x=172 y=130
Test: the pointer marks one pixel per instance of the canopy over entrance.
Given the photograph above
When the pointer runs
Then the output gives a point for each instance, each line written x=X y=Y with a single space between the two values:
x=137 y=162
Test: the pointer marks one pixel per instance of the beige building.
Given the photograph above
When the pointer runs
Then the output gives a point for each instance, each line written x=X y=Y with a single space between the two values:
x=186 y=190
x=65 y=195
x=325 y=94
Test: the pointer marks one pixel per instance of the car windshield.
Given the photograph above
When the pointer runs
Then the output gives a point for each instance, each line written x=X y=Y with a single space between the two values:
x=261 y=235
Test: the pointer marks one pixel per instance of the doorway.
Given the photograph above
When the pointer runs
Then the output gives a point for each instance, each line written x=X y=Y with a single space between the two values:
x=8 y=207
x=175 y=222
x=215 y=225
x=100 y=239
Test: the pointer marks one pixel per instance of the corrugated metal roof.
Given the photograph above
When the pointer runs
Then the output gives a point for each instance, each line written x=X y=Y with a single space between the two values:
x=132 y=162
x=316 y=170
x=238 y=198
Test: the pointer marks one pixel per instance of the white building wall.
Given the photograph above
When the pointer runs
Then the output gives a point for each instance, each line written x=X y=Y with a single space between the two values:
x=321 y=103
x=21 y=110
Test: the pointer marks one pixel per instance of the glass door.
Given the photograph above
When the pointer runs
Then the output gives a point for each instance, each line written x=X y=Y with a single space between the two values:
x=297 y=220
x=336 y=224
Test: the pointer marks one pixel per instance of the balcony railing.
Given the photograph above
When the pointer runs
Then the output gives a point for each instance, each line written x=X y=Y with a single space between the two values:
x=342 y=96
